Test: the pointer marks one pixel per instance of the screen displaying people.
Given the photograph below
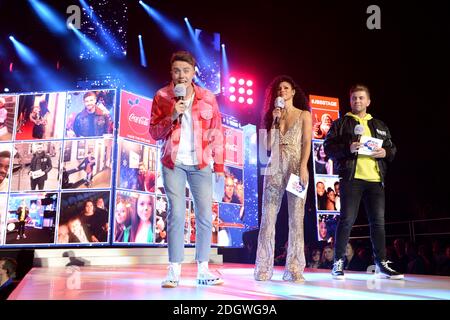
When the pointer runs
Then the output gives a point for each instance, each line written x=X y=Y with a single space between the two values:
x=31 y=218
x=229 y=189
x=36 y=166
x=137 y=166
x=322 y=165
x=328 y=194
x=90 y=114
x=5 y=161
x=39 y=116
x=87 y=164
x=322 y=120
x=7 y=113
x=81 y=219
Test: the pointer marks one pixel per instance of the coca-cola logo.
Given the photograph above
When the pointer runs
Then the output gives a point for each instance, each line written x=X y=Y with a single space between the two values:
x=138 y=120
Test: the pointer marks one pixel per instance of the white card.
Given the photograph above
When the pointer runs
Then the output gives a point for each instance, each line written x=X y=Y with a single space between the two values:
x=37 y=174
x=294 y=186
x=368 y=145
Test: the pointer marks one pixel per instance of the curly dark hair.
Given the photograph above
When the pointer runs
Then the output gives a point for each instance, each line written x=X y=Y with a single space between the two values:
x=300 y=101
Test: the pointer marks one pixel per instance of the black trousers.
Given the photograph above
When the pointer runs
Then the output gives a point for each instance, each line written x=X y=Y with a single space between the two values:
x=21 y=229
x=39 y=182
x=372 y=195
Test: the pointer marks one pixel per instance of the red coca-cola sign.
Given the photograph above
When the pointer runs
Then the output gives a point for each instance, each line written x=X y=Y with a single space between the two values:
x=135 y=114
x=138 y=120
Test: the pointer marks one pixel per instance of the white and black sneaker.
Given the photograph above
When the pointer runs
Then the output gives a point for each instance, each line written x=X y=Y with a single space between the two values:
x=206 y=278
x=338 y=270
x=173 y=276
x=382 y=270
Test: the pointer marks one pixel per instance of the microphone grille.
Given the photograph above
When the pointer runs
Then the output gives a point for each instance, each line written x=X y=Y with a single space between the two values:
x=179 y=90
x=359 y=129
x=279 y=102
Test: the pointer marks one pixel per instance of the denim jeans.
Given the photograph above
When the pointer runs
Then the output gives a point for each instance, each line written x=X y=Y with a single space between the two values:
x=372 y=196
x=200 y=183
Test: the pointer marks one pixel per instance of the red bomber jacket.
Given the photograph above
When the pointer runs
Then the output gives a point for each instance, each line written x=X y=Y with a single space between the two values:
x=207 y=129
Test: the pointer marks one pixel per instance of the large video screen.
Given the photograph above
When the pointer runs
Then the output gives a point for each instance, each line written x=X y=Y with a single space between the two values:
x=140 y=216
x=69 y=177
x=56 y=155
x=326 y=180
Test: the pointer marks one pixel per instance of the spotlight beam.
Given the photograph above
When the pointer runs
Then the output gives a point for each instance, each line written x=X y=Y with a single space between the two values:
x=87 y=42
x=25 y=53
x=171 y=30
x=108 y=40
x=225 y=66
x=50 y=18
x=40 y=71
x=142 y=53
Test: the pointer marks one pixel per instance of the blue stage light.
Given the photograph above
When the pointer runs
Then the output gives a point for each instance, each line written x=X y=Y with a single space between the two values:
x=171 y=30
x=105 y=35
x=89 y=44
x=25 y=53
x=225 y=67
x=40 y=71
x=142 y=52
x=50 y=18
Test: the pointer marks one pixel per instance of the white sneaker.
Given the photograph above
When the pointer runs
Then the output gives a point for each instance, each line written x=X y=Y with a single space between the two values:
x=173 y=276
x=206 y=278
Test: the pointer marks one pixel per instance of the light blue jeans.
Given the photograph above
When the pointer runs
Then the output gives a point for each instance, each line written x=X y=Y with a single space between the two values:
x=200 y=183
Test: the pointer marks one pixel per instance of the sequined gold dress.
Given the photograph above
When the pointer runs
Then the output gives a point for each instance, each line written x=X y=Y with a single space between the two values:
x=274 y=187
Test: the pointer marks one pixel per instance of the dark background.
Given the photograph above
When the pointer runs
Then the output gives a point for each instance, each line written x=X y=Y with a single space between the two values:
x=325 y=46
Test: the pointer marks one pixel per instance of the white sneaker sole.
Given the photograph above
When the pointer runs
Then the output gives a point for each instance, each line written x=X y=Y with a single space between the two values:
x=339 y=277
x=385 y=276
x=210 y=282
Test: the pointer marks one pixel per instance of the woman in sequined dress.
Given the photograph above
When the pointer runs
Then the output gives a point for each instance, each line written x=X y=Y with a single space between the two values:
x=289 y=140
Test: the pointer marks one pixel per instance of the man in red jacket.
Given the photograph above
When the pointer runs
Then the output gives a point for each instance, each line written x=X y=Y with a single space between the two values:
x=191 y=130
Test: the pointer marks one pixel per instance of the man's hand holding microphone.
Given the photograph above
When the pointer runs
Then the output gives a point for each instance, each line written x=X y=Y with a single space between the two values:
x=180 y=106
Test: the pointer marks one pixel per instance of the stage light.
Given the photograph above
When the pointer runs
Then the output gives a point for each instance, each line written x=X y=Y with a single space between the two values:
x=89 y=44
x=142 y=52
x=245 y=93
x=105 y=35
x=171 y=30
x=6 y=89
x=232 y=98
x=11 y=67
x=25 y=53
x=225 y=68
x=51 y=19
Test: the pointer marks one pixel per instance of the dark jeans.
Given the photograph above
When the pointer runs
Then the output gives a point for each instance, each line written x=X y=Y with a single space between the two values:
x=21 y=228
x=39 y=182
x=372 y=196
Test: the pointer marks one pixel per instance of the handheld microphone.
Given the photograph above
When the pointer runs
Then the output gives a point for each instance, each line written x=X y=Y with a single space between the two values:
x=358 y=131
x=279 y=104
x=180 y=92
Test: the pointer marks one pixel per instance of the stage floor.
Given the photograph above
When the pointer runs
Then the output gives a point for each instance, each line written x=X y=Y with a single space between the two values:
x=143 y=283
